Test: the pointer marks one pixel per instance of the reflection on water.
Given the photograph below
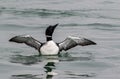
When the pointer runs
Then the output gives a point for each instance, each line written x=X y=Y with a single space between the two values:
x=25 y=76
x=34 y=59
x=49 y=67
x=26 y=60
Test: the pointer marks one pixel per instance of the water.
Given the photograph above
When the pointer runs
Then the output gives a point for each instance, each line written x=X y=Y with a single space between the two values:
x=97 y=20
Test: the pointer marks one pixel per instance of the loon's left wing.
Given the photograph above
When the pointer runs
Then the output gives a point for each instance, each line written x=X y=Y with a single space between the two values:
x=71 y=42
x=27 y=39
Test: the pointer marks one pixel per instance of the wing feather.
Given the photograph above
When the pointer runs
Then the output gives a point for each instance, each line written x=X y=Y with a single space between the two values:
x=28 y=40
x=71 y=42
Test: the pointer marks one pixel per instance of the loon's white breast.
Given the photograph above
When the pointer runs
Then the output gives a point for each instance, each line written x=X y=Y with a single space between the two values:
x=50 y=48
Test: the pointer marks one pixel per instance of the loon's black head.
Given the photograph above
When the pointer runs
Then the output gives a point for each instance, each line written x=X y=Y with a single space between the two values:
x=49 y=31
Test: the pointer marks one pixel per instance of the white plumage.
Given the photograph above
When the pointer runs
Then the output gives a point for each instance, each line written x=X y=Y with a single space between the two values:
x=50 y=48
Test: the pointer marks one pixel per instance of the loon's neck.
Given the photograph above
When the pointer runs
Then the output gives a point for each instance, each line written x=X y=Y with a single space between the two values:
x=48 y=38
x=49 y=32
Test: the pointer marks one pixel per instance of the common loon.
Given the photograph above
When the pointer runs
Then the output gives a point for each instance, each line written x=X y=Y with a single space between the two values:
x=50 y=47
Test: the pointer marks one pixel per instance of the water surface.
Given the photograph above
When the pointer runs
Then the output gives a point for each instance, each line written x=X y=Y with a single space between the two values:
x=97 y=20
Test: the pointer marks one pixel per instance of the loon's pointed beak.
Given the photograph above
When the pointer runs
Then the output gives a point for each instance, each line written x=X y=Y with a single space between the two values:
x=54 y=26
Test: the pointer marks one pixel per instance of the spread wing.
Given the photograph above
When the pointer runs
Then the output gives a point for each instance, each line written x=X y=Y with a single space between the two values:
x=71 y=42
x=28 y=40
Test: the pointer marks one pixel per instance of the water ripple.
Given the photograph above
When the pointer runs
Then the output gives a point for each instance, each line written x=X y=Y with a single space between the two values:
x=82 y=75
x=34 y=59
x=91 y=24
x=26 y=76
x=37 y=12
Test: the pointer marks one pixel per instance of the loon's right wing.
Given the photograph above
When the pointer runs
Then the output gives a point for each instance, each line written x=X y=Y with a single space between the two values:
x=71 y=42
x=28 y=40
